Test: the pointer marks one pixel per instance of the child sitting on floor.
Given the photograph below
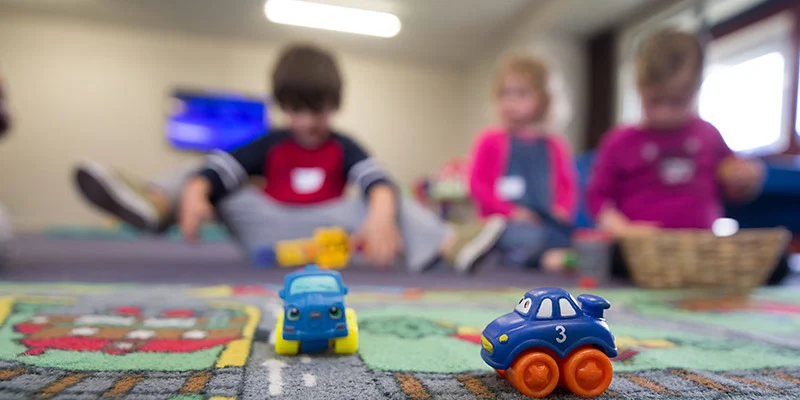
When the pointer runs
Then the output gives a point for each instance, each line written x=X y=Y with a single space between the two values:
x=306 y=167
x=523 y=172
x=672 y=169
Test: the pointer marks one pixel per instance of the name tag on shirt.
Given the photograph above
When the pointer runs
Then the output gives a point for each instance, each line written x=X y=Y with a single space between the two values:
x=511 y=188
x=307 y=180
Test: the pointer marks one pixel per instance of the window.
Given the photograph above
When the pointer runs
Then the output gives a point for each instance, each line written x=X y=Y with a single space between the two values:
x=524 y=306
x=744 y=93
x=745 y=102
x=545 y=309
x=314 y=284
x=567 y=310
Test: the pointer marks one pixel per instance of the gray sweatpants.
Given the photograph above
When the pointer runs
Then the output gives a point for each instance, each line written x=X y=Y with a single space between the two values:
x=258 y=222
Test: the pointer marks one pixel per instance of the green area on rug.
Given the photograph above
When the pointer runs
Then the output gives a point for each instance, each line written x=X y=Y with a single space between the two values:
x=751 y=319
x=417 y=344
x=421 y=340
x=694 y=351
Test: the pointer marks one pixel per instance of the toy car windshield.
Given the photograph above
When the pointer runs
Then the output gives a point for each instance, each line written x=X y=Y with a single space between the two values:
x=315 y=284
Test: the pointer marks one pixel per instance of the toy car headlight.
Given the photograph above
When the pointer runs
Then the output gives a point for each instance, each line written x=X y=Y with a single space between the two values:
x=487 y=345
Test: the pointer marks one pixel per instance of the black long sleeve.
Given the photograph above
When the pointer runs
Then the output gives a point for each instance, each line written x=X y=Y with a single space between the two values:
x=229 y=171
x=360 y=168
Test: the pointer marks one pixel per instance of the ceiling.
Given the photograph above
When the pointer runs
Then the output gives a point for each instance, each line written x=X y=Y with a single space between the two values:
x=434 y=31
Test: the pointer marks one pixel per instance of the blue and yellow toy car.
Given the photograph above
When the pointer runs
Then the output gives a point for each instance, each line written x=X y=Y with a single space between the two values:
x=552 y=338
x=315 y=317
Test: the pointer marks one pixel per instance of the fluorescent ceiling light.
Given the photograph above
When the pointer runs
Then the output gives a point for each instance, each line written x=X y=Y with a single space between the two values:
x=334 y=18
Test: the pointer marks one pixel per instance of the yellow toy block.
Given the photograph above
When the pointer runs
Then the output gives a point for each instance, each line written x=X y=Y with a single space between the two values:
x=329 y=248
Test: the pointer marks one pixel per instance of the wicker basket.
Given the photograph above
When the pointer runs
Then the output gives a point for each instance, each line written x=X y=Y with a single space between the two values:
x=689 y=258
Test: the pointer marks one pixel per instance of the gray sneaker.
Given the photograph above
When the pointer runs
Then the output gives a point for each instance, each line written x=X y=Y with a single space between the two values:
x=117 y=195
x=475 y=241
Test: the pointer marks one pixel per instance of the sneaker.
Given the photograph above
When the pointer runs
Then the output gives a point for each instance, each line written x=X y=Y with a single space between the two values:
x=119 y=196
x=474 y=242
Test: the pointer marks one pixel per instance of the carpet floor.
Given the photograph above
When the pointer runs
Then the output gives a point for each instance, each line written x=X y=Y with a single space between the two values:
x=95 y=341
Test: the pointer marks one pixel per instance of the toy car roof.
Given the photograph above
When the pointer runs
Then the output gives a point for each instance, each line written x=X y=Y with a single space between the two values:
x=312 y=270
x=547 y=292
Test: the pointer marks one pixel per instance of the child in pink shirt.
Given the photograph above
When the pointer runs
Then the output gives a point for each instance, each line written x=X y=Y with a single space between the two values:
x=672 y=169
x=522 y=173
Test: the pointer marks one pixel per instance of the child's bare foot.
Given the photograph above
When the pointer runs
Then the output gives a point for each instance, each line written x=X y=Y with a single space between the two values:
x=555 y=260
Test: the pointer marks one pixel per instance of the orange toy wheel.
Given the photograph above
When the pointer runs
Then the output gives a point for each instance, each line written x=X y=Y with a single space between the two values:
x=501 y=372
x=534 y=374
x=587 y=372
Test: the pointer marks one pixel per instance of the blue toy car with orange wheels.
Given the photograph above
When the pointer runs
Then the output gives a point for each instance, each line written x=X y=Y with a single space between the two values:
x=551 y=338
x=315 y=317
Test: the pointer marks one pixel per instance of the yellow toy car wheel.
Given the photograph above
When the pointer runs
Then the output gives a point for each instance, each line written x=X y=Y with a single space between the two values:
x=349 y=343
x=284 y=347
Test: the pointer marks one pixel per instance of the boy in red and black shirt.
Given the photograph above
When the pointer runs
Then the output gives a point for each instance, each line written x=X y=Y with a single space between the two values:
x=307 y=168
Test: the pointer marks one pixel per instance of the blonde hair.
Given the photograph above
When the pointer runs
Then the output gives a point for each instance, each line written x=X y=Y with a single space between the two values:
x=667 y=54
x=534 y=71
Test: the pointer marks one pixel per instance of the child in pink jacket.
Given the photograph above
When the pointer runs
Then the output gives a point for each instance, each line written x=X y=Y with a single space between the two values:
x=524 y=174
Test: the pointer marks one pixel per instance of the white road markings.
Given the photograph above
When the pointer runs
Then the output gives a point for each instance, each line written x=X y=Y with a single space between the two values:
x=274 y=368
x=309 y=380
x=305 y=359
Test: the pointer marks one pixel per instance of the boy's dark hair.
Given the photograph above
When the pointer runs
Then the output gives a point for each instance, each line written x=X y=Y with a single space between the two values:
x=307 y=78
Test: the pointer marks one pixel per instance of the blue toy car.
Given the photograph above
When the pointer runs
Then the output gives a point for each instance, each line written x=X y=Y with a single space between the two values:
x=551 y=337
x=315 y=317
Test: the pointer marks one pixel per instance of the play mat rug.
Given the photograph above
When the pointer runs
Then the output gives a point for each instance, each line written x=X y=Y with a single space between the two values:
x=181 y=343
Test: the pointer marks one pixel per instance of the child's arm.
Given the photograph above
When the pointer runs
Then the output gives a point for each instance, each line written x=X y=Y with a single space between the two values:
x=740 y=179
x=601 y=195
x=226 y=172
x=566 y=183
x=223 y=173
x=482 y=180
x=380 y=234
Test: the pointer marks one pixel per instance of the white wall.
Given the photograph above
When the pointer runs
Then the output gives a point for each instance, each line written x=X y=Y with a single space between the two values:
x=82 y=90
x=565 y=55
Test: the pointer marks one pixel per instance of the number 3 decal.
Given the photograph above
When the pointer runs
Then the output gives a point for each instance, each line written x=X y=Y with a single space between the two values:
x=562 y=331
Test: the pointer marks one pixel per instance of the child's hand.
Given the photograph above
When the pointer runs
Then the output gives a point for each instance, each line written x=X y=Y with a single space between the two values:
x=194 y=208
x=525 y=216
x=741 y=179
x=381 y=240
x=638 y=228
x=618 y=224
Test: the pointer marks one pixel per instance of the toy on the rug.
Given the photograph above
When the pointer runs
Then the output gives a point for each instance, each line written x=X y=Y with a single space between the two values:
x=551 y=337
x=315 y=317
x=593 y=253
x=329 y=248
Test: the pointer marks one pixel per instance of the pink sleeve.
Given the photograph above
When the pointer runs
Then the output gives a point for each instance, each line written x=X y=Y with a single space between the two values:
x=566 y=181
x=602 y=183
x=483 y=176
